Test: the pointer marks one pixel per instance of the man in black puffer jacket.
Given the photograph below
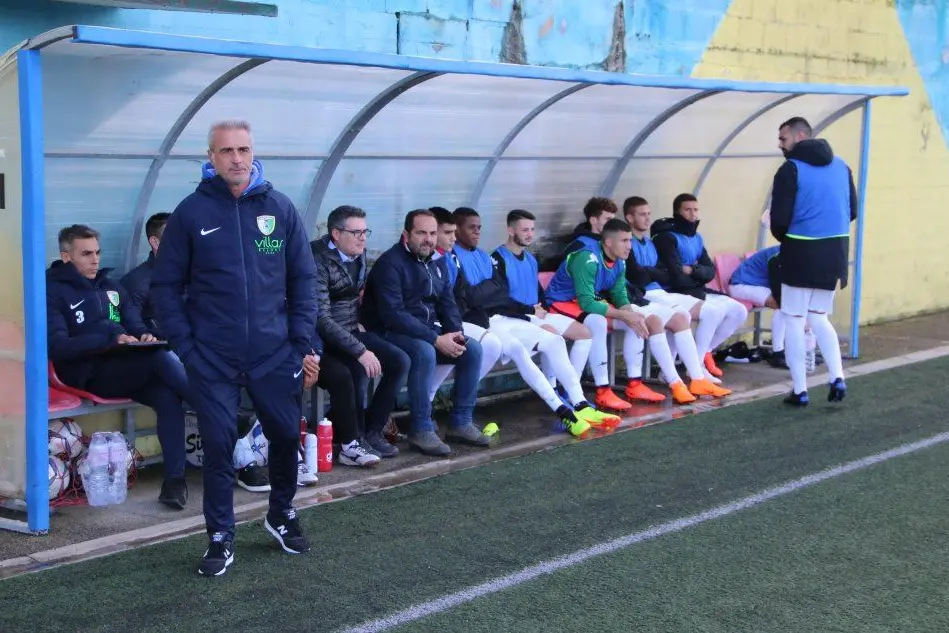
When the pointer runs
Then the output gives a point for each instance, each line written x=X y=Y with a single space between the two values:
x=352 y=356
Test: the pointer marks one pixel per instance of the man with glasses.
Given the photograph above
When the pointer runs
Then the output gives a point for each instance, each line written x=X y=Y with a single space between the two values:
x=351 y=355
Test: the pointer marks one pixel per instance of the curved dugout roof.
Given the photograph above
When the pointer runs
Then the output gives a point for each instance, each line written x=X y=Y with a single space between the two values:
x=127 y=113
x=112 y=127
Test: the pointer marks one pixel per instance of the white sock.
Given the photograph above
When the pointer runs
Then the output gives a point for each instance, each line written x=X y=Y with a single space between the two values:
x=777 y=331
x=828 y=342
x=633 y=348
x=530 y=372
x=599 y=361
x=685 y=343
x=673 y=346
x=660 y=351
x=553 y=353
x=794 y=351
x=491 y=347
x=547 y=366
x=735 y=316
x=580 y=354
x=440 y=375
x=710 y=317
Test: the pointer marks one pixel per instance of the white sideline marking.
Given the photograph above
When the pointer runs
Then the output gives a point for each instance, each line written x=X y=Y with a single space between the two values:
x=527 y=574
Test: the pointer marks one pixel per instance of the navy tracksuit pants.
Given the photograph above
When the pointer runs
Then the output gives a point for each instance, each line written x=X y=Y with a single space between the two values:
x=277 y=397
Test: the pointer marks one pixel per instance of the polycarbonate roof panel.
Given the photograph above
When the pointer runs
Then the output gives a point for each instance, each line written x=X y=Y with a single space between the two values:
x=553 y=190
x=658 y=181
x=452 y=115
x=387 y=189
x=98 y=192
x=598 y=121
x=118 y=101
x=764 y=130
x=700 y=127
x=416 y=132
x=295 y=109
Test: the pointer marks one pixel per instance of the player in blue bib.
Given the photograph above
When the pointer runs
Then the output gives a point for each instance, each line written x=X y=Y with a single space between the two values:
x=813 y=202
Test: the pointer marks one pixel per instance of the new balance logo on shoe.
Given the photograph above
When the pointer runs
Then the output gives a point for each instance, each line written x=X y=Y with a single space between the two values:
x=282 y=529
x=209 y=231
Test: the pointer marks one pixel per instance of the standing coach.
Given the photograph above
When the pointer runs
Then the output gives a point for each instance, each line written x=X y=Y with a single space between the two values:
x=248 y=319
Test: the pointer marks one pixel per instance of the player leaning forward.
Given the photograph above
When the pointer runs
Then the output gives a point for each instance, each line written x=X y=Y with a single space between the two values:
x=813 y=203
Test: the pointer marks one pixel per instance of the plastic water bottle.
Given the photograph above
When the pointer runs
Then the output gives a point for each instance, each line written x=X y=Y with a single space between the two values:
x=311 y=452
x=95 y=471
x=810 y=352
x=324 y=438
x=119 y=467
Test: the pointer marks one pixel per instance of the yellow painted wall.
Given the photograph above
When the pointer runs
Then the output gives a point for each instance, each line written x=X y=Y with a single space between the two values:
x=906 y=262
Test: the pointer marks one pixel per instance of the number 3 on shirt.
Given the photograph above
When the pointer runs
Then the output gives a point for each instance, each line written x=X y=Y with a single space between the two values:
x=80 y=317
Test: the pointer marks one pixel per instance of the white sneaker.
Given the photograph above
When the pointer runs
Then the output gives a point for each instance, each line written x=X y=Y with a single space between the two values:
x=712 y=379
x=304 y=476
x=355 y=454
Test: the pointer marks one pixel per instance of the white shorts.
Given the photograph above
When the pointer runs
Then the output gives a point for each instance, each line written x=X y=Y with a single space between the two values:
x=799 y=301
x=657 y=309
x=560 y=322
x=756 y=295
x=524 y=332
x=672 y=299
x=473 y=331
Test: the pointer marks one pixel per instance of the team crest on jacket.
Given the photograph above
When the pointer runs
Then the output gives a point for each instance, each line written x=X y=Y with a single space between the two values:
x=266 y=224
x=113 y=297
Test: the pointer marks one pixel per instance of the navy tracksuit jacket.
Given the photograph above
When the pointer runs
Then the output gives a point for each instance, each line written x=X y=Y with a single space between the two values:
x=234 y=288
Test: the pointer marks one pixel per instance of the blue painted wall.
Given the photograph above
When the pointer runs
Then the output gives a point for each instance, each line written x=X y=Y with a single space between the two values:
x=661 y=36
x=926 y=24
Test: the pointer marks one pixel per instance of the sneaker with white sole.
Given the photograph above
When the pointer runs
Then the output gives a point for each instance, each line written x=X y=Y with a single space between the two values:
x=355 y=454
x=304 y=476
x=285 y=528
x=253 y=478
x=219 y=555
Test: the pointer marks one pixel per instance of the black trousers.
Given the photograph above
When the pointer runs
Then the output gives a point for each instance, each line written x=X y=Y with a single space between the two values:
x=277 y=397
x=345 y=379
x=155 y=378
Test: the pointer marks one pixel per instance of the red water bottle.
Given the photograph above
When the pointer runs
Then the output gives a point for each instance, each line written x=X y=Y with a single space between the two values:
x=324 y=446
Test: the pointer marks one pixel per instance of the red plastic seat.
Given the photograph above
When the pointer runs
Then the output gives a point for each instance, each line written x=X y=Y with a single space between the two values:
x=725 y=266
x=54 y=381
x=62 y=401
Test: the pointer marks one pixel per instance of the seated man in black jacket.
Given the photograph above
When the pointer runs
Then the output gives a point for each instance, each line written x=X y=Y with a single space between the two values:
x=138 y=281
x=681 y=251
x=91 y=337
x=409 y=301
x=351 y=355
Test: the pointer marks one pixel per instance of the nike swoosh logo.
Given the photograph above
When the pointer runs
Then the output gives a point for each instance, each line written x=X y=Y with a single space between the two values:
x=297 y=375
x=208 y=232
x=73 y=306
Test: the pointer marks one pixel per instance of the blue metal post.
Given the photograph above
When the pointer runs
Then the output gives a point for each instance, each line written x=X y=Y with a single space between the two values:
x=30 y=76
x=858 y=253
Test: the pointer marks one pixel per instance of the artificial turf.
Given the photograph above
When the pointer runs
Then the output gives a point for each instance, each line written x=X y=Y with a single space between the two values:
x=379 y=553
